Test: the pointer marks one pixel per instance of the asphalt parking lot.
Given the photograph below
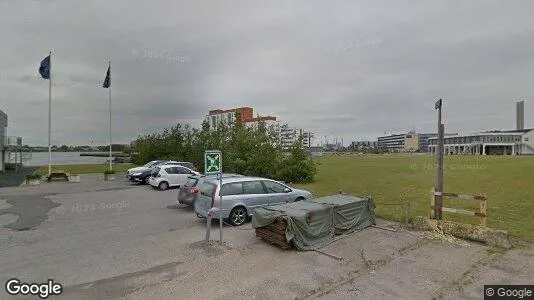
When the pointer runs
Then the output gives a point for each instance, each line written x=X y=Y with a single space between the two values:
x=116 y=240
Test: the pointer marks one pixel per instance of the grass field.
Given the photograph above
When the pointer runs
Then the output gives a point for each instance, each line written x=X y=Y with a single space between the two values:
x=84 y=169
x=507 y=181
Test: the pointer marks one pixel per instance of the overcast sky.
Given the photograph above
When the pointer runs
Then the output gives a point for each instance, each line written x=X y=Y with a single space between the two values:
x=346 y=69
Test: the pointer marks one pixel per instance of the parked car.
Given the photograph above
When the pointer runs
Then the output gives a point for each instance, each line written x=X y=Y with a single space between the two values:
x=188 y=192
x=183 y=163
x=140 y=174
x=241 y=196
x=173 y=175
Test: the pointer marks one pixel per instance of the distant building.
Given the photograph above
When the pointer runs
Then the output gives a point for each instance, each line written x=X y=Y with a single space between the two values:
x=289 y=135
x=245 y=115
x=497 y=142
x=392 y=143
x=407 y=142
x=423 y=140
x=509 y=142
x=229 y=116
x=3 y=139
x=364 y=145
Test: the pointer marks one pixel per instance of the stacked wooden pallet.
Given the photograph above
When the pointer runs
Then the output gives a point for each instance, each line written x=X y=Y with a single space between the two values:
x=275 y=233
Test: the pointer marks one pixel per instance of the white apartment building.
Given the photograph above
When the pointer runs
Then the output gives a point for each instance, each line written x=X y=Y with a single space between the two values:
x=289 y=135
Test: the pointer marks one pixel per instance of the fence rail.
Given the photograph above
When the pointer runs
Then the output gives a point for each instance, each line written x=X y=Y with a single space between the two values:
x=481 y=213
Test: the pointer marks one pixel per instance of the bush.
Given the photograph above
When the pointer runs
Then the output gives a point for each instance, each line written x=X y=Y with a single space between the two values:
x=248 y=151
x=10 y=167
x=33 y=177
x=297 y=167
x=109 y=172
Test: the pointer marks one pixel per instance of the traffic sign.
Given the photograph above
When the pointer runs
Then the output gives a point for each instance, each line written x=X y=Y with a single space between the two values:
x=212 y=162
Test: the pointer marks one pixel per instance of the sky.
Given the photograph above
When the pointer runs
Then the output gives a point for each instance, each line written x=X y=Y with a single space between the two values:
x=350 y=70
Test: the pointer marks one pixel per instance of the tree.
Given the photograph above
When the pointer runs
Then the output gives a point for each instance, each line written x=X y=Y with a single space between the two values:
x=246 y=150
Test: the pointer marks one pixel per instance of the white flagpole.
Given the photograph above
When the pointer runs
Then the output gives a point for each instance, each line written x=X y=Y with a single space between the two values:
x=49 y=114
x=110 y=163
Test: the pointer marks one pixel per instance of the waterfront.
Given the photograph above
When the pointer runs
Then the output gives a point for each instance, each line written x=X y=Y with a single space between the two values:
x=59 y=158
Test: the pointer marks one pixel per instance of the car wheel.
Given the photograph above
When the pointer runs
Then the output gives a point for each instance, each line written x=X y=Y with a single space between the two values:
x=299 y=199
x=163 y=186
x=145 y=181
x=238 y=216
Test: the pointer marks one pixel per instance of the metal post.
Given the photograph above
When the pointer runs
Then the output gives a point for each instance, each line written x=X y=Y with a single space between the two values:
x=221 y=206
x=439 y=175
x=208 y=228
x=110 y=163
x=49 y=114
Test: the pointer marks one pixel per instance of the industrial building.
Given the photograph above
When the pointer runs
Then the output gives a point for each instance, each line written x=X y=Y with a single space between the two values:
x=406 y=142
x=497 y=142
x=3 y=139
x=509 y=142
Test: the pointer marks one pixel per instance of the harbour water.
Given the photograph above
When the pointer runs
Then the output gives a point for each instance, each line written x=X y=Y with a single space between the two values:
x=59 y=158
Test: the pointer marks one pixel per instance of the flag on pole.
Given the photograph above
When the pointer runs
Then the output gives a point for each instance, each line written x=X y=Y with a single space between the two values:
x=107 y=81
x=44 y=68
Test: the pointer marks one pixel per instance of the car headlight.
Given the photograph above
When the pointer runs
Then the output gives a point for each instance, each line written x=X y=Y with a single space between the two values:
x=136 y=174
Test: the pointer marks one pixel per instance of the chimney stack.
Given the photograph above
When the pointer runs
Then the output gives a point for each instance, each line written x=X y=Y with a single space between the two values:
x=520 y=115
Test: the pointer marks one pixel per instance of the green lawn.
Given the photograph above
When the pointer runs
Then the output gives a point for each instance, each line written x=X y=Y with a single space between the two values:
x=84 y=169
x=507 y=181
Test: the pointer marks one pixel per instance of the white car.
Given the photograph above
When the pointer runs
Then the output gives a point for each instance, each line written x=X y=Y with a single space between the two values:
x=166 y=176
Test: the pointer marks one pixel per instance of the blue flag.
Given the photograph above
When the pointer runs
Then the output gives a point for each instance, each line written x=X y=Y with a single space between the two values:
x=44 y=68
x=107 y=81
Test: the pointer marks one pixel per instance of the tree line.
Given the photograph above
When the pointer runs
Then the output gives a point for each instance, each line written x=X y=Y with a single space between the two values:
x=252 y=151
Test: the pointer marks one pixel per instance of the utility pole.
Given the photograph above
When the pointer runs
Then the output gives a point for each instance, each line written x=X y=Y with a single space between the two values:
x=438 y=190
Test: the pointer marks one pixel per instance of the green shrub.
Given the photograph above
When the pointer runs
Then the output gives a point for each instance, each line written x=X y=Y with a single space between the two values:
x=109 y=172
x=33 y=177
x=10 y=167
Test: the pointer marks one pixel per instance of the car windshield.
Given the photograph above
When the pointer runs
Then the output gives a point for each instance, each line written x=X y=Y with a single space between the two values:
x=148 y=165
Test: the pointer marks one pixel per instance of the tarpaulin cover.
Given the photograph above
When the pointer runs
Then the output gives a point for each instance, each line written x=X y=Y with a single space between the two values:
x=309 y=224
x=351 y=213
x=312 y=224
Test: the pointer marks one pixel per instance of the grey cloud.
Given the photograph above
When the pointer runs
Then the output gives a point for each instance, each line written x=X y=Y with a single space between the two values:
x=311 y=64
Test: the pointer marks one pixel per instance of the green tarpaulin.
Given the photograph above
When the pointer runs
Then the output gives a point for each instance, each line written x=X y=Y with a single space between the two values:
x=312 y=224
x=309 y=224
x=350 y=212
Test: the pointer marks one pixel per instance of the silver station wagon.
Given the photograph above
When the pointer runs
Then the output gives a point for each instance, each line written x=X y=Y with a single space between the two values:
x=241 y=196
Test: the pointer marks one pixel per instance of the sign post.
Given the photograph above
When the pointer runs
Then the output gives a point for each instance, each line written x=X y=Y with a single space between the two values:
x=213 y=165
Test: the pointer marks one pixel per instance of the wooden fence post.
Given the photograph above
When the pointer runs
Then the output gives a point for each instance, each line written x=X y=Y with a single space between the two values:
x=432 y=204
x=483 y=211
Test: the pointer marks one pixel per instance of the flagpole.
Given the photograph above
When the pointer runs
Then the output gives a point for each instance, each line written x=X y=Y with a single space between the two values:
x=110 y=163
x=50 y=115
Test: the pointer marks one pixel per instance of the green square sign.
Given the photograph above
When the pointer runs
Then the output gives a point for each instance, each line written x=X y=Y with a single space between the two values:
x=212 y=162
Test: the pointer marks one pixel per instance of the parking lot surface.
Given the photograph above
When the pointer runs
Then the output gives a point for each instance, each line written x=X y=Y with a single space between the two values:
x=116 y=240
